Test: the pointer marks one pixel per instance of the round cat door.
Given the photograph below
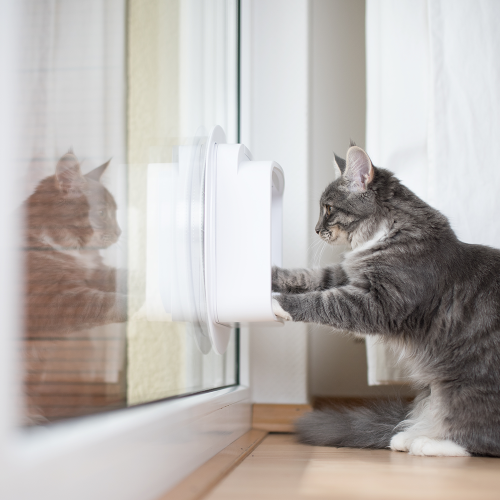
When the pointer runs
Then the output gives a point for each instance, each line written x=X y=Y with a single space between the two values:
x=243 y=236
x=175 y=281
x=214 y=232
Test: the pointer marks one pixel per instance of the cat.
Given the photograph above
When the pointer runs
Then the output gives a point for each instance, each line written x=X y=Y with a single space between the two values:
x=69 y=218
x=434 y=299
x=69 y=291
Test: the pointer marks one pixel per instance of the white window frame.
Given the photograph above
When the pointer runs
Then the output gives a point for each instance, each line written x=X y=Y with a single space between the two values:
x=141 y=452
x=138 y=452
x=135 y=453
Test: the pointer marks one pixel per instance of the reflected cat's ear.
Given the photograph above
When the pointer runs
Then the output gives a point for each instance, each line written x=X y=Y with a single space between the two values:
x=338 y=165
x=97 y=172
x=359 y=171
x=68 y=175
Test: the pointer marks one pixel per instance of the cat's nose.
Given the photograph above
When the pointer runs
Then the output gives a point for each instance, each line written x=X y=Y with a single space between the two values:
x=317 y=231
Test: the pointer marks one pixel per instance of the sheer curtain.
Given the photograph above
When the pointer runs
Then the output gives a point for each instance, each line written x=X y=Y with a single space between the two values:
x=433 y=116
x=72 y=84
x=72 y=95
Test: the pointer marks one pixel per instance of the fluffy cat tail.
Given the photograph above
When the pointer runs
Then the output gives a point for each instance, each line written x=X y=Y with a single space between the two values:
x=364 y=427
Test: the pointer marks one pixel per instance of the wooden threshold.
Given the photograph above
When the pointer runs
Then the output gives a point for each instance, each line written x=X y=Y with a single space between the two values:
x=266 y=418
x=203 y=479
x=277 y=417
x=281 y=417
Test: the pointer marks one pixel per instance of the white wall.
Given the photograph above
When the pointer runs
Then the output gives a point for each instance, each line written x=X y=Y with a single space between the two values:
x=337 y=364
x=274 y=126
x=303 y=97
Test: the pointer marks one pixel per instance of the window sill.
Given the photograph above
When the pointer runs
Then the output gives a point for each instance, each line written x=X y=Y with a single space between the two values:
x=138 y=453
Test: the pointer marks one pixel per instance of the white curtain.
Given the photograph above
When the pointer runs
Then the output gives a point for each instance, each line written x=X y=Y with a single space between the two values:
x=433 y=116
x=71 y=85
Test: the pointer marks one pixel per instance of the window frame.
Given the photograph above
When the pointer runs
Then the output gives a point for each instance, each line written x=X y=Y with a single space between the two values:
x=137 y=452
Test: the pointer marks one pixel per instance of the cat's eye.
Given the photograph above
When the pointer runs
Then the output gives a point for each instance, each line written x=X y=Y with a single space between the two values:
x=328 y=209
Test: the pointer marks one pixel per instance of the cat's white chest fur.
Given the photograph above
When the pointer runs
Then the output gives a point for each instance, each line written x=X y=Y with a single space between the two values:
x=352 y=259
x=359 y=247
x=88 y=259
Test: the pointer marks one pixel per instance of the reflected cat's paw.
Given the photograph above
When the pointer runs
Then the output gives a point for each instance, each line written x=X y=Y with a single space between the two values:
x=141 y=314
x=280 y=312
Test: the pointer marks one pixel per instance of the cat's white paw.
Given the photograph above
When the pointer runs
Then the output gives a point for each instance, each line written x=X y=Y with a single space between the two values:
x=280 y=312
x=141 y=314
x=427 y=447
x=401 y=441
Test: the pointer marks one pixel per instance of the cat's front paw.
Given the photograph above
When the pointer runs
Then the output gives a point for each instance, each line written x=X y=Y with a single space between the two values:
x=276 y=282
x=280 y=312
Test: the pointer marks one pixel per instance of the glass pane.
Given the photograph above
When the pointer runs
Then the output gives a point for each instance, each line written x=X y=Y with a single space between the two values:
x=116 y=100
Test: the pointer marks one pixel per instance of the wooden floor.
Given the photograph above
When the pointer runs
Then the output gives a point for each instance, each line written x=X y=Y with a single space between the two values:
x=280 y=468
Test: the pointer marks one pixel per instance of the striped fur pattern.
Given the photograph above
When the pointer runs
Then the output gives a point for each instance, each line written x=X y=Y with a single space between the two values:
x=434 y=299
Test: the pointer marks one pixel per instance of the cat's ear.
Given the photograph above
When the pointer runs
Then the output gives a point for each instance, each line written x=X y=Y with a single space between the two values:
x=97 y=172
x=68 y=175
x=359 y=171
x=338 y=165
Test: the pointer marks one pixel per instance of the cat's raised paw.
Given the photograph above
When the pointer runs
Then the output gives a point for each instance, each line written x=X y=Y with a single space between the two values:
x=427 y=447
x=280 y=312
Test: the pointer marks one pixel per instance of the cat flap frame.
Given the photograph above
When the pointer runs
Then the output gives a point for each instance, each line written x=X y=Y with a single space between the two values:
x=243 y=210
x=230 y=280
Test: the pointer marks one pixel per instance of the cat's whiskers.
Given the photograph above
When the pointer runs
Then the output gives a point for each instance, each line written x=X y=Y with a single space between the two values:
x=320 y=255
x=313 y=246
x=320 y=248
x=313 y=243
x=317 y=251
x=325 y=245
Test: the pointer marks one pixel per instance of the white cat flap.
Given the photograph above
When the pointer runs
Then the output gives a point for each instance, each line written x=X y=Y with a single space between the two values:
x=214 y=231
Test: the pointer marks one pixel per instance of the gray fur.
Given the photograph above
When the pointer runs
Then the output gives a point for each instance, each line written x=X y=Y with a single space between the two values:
x=364 y=427
x=340 y=162
x=432 y=298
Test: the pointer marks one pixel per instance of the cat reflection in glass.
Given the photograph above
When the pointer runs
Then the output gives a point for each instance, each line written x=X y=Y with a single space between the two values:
x=69 y=218
x=432 y=298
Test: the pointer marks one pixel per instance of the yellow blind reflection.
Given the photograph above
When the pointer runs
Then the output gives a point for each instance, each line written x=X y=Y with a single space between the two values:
x=156 y=357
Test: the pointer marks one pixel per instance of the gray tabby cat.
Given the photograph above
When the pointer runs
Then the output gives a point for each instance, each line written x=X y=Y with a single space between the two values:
x=432 y=298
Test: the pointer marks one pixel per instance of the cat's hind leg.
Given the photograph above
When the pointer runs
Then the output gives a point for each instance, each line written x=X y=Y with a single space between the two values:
x=414 y=425
x=424 y=430
x=428 y=447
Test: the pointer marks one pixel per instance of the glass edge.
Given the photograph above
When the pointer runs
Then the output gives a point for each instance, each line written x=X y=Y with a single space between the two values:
x=237 y=328
x=238 y=121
